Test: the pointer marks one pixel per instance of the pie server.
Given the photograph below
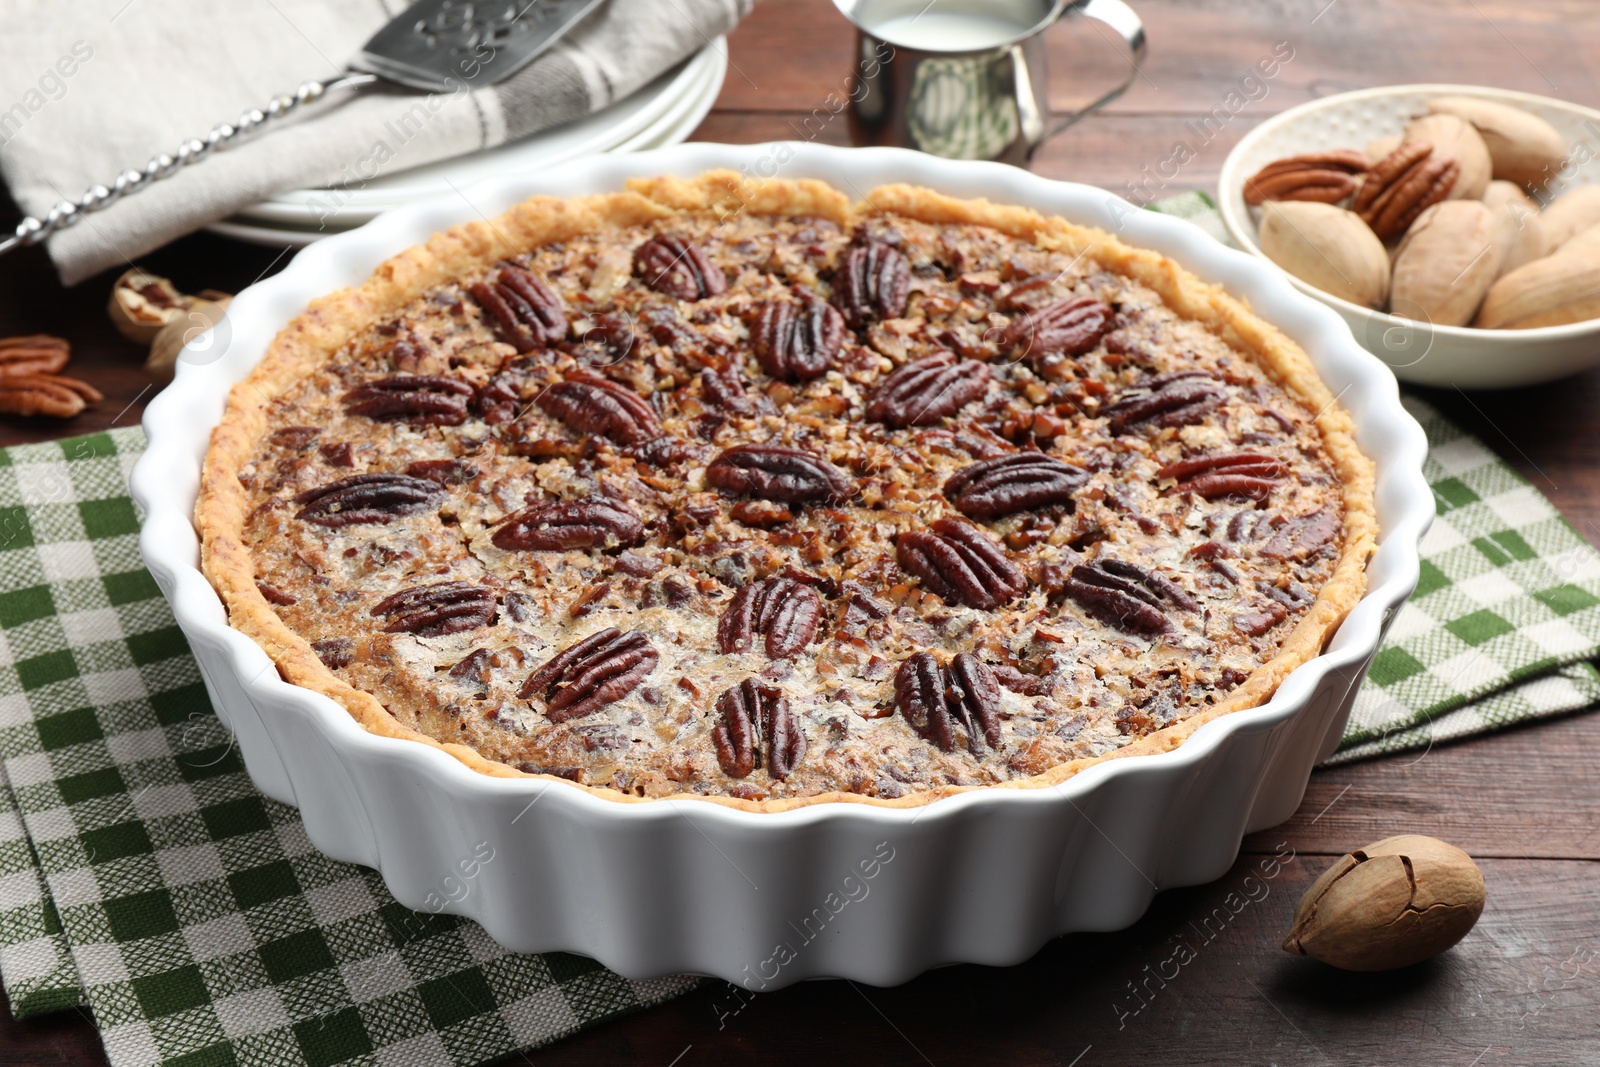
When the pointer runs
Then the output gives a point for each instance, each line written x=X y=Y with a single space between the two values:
x=433 y=46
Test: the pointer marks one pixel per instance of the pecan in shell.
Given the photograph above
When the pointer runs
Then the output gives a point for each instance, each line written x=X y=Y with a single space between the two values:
x=589 y=403
x=873 y=282
x=422 y=399
x=1068 y=327
x=797 y=340
x=751 y=718
x=786 y=475
x=1235 y=474
x=926 y=390
x=363 y=499
x=678 y=268
x=435 y=610
x=784 y=612
x=1018 y=481
x=1176 y=401
x=527 y=311
x=1403 y=185
x=569 y=525
x=1326 y=177
x=962 y=564
x=599 y=670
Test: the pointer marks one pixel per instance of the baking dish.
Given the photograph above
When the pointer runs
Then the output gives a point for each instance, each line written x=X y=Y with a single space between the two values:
x=764 y=899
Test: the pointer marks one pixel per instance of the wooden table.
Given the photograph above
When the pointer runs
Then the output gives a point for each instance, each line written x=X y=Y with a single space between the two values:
x=1524 y=988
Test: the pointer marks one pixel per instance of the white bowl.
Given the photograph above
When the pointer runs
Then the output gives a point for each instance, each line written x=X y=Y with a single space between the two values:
x=859 y=891
x=1418 y=351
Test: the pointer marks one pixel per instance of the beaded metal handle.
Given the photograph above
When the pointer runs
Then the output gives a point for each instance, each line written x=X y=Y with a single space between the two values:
x=65 y=213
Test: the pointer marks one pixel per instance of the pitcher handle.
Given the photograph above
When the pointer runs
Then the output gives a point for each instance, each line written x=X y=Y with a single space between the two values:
x=1122 y=19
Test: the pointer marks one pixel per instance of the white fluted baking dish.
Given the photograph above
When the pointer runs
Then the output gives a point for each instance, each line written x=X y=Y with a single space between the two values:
x=764 y=899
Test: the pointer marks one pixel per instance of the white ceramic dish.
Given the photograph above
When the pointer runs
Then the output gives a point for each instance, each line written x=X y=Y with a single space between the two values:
x=850 y=890
x=1421 y=352
x=664 y=112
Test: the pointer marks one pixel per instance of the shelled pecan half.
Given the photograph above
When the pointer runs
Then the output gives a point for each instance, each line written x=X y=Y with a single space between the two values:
x=1126 y=595
x=786 y=475
x=1018 y=481
x=1251 y=475
x=678 y=268
x=873 y=282
x=797 y=340
x=753 y=718
x=437 y=609
x=922 y=392
x=599 y=670
x=1403 y=185
x=421 y=399
x=784 y=612
x=962 y=564
x=591 y=403
x=935 y=700
x=37 y=353
x=527 y=311
x=568 y=525
x=1327 y=177
x=55 y=395
x=364 y=499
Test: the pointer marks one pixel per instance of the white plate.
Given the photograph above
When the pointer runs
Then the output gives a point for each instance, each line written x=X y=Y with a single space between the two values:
x=1420 y=351
x=859 y=891
x=641 y=117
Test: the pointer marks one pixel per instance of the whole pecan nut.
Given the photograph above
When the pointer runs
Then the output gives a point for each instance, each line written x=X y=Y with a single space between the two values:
x=935 y=700
x=1177 y=400
x=1068 y=327
x=797 y=340
x=1235 y=474
x=37 y=353
x=1018 y=481
x=753 y=717
x=423 y=399
x=528 y=313
x=1327 y=177
x=1126 y=595
x=786 y=475
x=55 y=395
x=962 y=564
x=363 y=499
x=437 y=609
x=873 y=282
x=926 y=390
x=1403 y=185
x=570 y=525
x=678 y=268
x=783 y=611
x=599 y=670
x=590 y=403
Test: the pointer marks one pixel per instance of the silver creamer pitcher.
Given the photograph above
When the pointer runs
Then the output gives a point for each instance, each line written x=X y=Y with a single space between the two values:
x=966 y=79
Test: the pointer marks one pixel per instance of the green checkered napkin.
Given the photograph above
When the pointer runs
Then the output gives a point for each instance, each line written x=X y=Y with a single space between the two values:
x=195 y=918
x=200 y=926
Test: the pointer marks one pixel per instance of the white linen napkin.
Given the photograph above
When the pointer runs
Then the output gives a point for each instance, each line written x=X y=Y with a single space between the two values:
x=89 y=88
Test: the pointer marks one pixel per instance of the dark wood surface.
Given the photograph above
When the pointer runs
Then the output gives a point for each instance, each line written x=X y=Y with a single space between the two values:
x=1524 y=988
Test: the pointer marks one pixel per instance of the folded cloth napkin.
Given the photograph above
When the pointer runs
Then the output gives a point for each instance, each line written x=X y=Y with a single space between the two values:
x=90 y=88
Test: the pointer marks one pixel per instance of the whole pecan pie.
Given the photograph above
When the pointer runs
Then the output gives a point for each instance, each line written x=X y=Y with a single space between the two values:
x=739 y=490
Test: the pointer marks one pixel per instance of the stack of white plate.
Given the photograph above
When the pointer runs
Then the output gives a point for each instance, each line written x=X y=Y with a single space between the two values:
x=663 y=113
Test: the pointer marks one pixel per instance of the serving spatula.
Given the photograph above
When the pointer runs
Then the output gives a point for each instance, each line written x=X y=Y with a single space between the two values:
x=432 y=46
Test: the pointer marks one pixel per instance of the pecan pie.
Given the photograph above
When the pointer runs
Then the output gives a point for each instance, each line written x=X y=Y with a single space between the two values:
x=738 y=490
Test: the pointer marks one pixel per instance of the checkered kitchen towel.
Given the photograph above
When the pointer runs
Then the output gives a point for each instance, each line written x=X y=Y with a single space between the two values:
x=199 y=925
x=195 y=918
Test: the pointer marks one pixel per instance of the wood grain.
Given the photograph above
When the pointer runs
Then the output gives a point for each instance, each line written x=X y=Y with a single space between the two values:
x=1524 y=988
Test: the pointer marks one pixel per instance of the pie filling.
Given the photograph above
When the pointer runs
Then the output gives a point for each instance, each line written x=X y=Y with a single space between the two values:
x=762 y=507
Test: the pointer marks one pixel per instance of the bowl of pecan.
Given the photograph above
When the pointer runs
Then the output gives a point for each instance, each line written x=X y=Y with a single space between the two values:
x=1456 y=228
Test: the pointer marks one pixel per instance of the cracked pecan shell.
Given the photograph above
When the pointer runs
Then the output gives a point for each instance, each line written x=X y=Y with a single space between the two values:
x=363 y=499
x=599 y=670
x=677 y=268
x=873 y=282
x=926 y=390
x=785 y=475
x=527 y=311
x=1068 y=327
x=783 y=612
x=589 y=403
x=1327 y=177
x=1403 y=185
x=437 y=609
x=570 y=525
x=798 y=340
x=1018 y=481
x=753 y=718
x=423 y=399
x=962 y=564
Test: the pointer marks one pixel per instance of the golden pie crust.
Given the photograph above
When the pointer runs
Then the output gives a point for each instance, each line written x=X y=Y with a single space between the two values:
x=330 y=323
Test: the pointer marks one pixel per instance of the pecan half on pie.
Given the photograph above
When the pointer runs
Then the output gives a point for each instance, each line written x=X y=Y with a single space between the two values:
x=738 y=490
